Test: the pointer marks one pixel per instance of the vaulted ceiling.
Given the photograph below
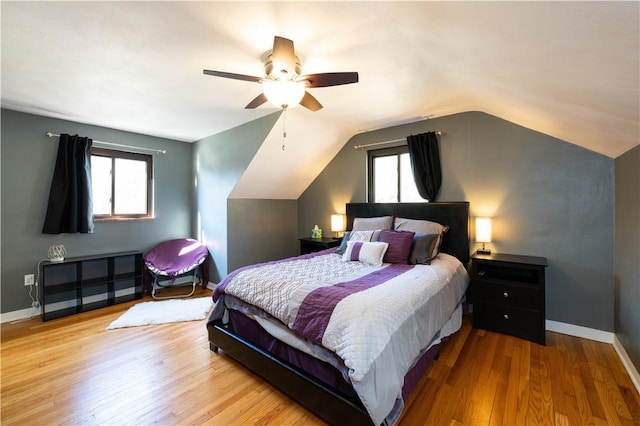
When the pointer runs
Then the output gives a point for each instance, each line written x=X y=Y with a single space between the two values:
x=567 y=69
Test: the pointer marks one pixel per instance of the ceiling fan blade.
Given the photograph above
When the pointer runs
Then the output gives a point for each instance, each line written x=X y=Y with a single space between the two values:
x=330 y=79
x=283 y=56
x=257 y=101
x=309 y=102
x=233 y=76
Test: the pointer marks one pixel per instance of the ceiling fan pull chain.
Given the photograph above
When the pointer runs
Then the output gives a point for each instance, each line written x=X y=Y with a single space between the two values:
x=284 y=126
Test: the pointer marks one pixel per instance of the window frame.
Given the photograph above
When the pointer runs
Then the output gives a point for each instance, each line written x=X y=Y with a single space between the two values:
x=113 y=155
x=372 y=154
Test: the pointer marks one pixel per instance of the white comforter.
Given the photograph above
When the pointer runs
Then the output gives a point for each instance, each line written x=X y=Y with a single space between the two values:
x=378 y=331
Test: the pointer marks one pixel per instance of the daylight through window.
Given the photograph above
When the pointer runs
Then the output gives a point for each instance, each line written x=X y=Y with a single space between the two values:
x=121 y=184
x=391 y=177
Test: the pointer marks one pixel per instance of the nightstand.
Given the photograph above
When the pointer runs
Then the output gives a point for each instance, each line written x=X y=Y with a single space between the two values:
x=310 y=245
x=508 y=294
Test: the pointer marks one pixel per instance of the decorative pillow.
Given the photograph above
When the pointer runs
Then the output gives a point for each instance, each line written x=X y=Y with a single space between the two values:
x=364 y=236
x=372 y=223
x=423 y=227
x=370 y=253
x=343 y=243
x=418 y=226
x=399 y=245
x=424 y=248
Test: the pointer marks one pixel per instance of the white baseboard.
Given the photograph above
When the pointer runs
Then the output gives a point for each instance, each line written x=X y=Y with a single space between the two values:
x=28 y=313
x=579 y=331
x=599 y=336
x=22 y=314
x=626 y=361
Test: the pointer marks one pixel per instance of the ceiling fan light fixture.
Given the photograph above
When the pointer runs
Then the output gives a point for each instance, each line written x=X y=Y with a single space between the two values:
x=283 y=84
x=284 y=93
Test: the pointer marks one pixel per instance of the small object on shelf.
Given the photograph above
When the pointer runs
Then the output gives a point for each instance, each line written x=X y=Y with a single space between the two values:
x=507 y=294
x=312 y=245
x=56 y=253
x=316 y=233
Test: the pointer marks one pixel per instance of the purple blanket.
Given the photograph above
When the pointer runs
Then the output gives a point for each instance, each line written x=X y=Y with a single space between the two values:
x=316 y=309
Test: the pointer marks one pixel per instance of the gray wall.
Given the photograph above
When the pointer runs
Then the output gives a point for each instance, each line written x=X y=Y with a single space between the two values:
x=546 y=197
x=219 y=161
x=627 y=249
x=28 y=159
x=261 y=230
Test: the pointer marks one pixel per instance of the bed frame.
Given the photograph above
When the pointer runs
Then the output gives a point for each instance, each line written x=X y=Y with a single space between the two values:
x=325 y=402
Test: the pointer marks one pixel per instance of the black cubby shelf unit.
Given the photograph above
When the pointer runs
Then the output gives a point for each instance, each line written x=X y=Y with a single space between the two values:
x=84 y=283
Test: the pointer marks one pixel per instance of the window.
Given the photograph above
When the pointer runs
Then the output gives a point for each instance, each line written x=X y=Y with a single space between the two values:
x=391 y=177
x=121 y=184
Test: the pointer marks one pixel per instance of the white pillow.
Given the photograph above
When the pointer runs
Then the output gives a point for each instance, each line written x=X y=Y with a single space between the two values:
x=370 y=253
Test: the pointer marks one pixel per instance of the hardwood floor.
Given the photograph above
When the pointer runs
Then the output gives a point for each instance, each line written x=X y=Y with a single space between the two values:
x=73 y=371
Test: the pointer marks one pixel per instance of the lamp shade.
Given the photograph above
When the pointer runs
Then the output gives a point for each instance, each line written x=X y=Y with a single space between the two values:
x=483 y=229
x=337 y=223
x=283 y=93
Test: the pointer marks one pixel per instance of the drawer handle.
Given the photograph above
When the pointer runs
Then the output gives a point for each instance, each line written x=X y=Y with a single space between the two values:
x=506 y=316
x=505 y=294
x=481 y=273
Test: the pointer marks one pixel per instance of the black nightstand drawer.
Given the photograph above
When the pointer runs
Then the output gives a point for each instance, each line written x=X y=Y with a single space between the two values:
x=518 y=296
x=523 y=323
x=508 y=273
x=507 y=294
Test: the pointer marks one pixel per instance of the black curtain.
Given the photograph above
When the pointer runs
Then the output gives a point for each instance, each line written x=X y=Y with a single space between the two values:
x=70 y=208
x=425 y=163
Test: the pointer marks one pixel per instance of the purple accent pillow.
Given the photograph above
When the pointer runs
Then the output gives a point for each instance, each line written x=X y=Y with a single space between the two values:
x=399 y=245
x=355 y=250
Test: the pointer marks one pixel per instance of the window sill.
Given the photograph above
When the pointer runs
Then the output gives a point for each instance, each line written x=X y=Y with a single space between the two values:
x=121 y=219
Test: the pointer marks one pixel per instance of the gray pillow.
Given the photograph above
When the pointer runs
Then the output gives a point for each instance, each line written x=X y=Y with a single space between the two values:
x=424 y=250
x=343 y=244
x=372 y=223
x=417 y=226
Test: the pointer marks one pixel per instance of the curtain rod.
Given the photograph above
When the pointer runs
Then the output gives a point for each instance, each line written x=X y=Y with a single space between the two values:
x=157 y=151
x=386 y=142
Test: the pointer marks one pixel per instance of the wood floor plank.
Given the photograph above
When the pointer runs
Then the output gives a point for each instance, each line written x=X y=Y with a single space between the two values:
x=582 y=402
x=482 y=415
x=608 y=404
x=632 y=399
x=499 y=401
x=73 y=371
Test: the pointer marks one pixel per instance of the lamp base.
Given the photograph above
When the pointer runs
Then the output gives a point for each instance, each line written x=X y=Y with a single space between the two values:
x=483 y=251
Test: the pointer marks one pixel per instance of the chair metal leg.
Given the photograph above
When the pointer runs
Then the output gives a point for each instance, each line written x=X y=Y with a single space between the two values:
x=157 y=285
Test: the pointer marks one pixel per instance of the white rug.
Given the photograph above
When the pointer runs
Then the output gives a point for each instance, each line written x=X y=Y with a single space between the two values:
x=162 y=312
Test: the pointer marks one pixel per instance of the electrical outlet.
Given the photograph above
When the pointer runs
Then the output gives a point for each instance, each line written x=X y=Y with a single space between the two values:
x=29 y=279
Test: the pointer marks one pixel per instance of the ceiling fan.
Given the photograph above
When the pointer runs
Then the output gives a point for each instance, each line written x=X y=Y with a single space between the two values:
x=283 y=83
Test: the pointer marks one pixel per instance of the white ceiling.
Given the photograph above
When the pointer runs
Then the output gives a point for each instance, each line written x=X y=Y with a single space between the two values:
x=567 y=69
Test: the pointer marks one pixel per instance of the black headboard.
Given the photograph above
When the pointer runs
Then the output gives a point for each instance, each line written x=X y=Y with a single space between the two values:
x=453 y=214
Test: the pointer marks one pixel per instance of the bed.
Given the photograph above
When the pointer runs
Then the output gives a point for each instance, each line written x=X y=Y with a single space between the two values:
x=306 y=324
